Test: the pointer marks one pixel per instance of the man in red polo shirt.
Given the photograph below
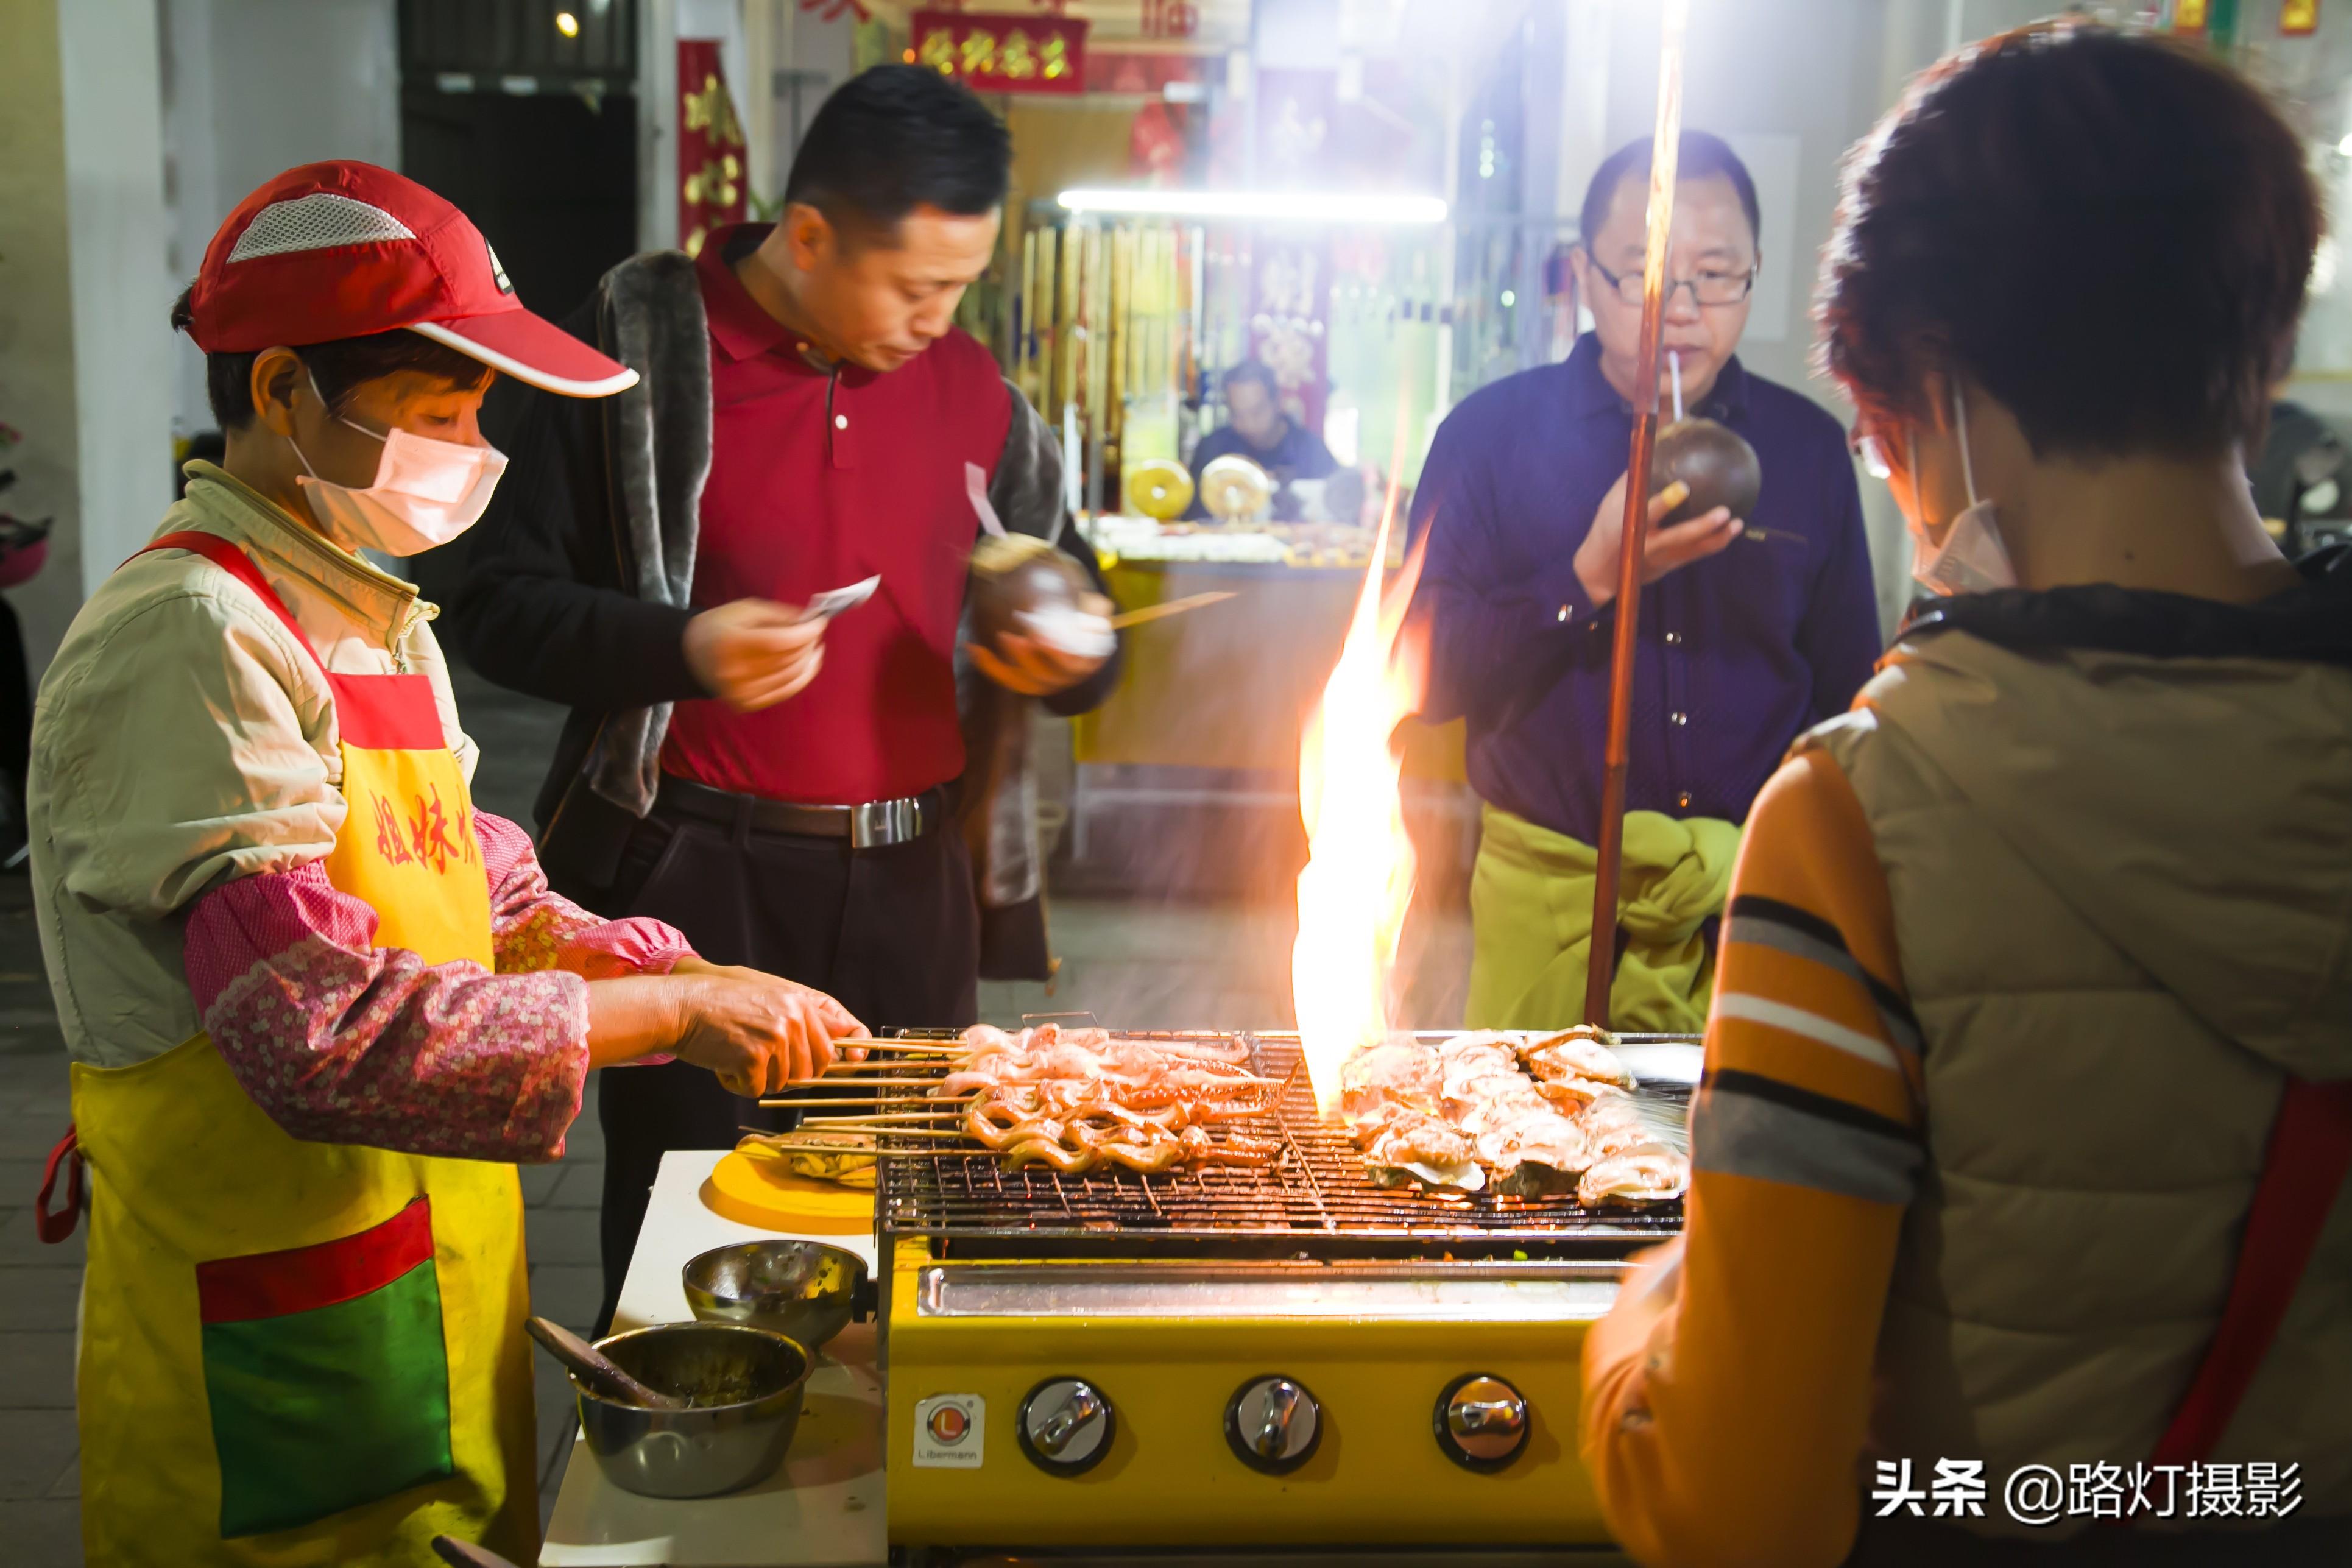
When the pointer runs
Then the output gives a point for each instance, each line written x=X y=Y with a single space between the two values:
x=800 y=790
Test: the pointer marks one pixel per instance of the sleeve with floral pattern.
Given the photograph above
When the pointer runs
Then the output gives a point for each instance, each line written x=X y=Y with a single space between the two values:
x=340 y=1041
x=534 y=928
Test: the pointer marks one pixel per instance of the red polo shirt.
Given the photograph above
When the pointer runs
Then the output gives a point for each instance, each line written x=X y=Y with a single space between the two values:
x=819 y=480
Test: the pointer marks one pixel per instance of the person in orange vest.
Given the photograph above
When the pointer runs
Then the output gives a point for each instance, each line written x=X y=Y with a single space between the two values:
x=2028 y=1083
x=318 y=1004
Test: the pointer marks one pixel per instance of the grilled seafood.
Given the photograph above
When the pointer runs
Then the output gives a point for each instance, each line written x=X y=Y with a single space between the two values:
x=987 y=1040
x=1086 y=1055
x=1545 y=1138
x=1148 y=1158
x=1572 y=1095
x=1614 y=1125
x=1075 y=1105
x=1574 y=1054
x=1644 y=1173
x=1397 y=1074
x=847 y=1157
x=1073 y=1146
x=1534 y=1116
x=1426 y=1147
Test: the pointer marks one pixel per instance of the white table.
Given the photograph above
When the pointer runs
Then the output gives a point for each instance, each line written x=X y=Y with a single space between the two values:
x=824 y=1508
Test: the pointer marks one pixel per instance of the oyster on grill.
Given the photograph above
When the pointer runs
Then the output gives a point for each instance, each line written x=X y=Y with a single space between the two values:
x=1576 y=1054
x=1613 y=1126
x=1643 y=1174
x=1380 y=1079
x=1411 y=1147
x=1537 y=1156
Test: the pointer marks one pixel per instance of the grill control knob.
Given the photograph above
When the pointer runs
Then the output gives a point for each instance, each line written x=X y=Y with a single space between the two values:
x=1482 y=1422
x=1065 y=1427
x=1273 y=1424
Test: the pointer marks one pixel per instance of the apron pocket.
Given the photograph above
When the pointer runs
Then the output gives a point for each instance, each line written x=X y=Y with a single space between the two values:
x=327 y=1374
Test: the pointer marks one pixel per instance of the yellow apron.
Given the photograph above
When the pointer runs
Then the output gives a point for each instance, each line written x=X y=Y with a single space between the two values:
x=1531 y=923
x=295 y=1352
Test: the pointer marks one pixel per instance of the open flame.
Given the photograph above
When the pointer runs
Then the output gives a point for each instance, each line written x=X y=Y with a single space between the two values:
x=1357 y=883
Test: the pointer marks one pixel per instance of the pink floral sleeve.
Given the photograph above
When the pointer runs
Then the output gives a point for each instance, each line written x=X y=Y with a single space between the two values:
x=342 y=1042
x=535 y=928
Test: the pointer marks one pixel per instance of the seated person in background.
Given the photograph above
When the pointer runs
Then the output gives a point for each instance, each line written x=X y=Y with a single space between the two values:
x=1258 y=429
x=2015 y=1029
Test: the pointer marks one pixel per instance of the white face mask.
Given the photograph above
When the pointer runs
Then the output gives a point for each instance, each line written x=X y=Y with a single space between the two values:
x=1972 y=559
x=426 y=492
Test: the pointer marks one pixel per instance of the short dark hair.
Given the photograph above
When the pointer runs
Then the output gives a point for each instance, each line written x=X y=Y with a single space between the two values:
x=339 y=365
x=1253 y=370
x=1696 y=155
x=894 y=138
x=2112 y=234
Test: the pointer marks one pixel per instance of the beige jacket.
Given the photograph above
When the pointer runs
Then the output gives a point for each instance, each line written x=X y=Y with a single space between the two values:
x=182 y=738
x=2122 y=891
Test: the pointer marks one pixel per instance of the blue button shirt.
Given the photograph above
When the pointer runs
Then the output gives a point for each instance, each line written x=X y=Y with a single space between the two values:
x=1737 y=654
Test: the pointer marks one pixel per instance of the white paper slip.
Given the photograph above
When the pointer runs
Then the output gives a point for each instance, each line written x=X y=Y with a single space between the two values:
x=1074 y=632
x=835 y=600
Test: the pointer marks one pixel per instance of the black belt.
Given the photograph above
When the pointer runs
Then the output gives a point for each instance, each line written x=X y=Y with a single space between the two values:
x=872 y=826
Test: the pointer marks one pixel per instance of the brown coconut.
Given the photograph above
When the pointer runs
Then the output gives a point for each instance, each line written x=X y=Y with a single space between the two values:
x=1715 y=460
x=1020 y=574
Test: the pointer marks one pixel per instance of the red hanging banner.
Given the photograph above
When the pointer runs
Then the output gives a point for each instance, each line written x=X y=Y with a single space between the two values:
x=1002 y=54
x=709 y=146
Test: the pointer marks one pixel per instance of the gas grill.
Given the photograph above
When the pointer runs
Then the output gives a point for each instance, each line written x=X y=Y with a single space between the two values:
x=1245 y=1357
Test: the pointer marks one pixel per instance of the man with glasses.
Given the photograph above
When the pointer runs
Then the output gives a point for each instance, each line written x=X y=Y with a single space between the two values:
x=1752 y=628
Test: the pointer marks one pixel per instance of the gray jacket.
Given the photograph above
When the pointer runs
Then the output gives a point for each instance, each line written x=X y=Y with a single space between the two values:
x=2118 y=846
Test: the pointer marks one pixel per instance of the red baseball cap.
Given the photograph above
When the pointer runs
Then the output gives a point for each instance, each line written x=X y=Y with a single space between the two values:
x=341 y=249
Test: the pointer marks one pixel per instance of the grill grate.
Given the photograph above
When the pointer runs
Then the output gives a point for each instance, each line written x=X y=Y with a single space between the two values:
x=1315 y=1201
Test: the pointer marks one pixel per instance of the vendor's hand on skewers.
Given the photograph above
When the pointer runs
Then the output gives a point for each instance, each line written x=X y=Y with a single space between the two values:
x=1035 y=667
x=1663 y=549
x=758 y=1032
x=754 y=653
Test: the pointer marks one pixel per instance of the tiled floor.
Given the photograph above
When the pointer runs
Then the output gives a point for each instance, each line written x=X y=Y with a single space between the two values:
x=1141 y=963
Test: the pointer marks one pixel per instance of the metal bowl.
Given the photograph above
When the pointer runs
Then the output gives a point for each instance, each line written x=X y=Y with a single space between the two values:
x=747 y=1384
x=803 y=1290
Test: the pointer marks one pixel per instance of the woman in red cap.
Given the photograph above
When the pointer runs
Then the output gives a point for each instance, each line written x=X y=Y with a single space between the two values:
x=318 y=1004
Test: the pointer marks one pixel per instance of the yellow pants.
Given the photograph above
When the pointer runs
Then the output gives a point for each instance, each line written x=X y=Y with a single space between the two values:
x=1531 y=917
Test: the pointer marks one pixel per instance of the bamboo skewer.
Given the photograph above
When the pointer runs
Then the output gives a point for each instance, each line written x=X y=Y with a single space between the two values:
x=1609 y=848
x=1172 y=607
x=882 y=1117
x=972 y=1153
x=781 y=1145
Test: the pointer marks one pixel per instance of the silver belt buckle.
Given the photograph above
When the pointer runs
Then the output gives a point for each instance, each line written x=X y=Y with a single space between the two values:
x=879 y=823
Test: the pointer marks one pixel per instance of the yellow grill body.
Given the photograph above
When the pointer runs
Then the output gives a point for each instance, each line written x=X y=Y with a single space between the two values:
x=1169 y=1478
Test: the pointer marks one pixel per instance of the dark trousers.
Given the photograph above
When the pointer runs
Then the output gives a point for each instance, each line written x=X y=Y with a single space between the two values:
x=893 y=934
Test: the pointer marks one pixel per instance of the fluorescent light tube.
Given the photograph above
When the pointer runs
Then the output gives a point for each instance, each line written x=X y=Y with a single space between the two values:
x=1260 y=206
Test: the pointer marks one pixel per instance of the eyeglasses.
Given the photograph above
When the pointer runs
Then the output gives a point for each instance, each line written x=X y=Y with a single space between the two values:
x=1715 y=288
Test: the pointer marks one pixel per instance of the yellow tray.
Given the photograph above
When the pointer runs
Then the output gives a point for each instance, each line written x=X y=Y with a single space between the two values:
x=758 y=1191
